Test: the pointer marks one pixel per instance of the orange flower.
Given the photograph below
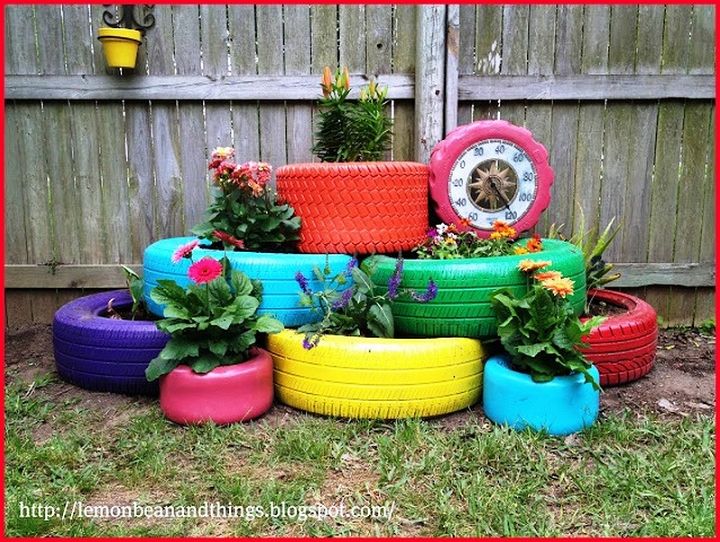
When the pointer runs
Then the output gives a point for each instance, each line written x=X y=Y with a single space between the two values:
x=534 y=244
x=465 y=223
x=502 y=230
x=346 y=78
x=520 y=250
x=326 y=81
x=559 y=286
x=528 y=266
x=547 y=275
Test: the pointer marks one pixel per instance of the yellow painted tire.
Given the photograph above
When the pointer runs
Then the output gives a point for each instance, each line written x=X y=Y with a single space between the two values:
x=360 y=377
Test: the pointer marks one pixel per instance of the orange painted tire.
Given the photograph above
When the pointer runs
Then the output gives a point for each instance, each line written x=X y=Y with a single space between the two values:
x=357 y=207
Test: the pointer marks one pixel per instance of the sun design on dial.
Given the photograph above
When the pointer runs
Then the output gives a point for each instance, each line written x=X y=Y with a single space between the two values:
x=493 y=185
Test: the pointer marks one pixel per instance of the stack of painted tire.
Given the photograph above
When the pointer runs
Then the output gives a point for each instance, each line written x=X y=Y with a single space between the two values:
x=462 y=306
x=98 y=353
x=357 y=207
x=275 y=271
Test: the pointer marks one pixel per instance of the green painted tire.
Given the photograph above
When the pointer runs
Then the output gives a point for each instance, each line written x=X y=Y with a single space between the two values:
x=462 y=306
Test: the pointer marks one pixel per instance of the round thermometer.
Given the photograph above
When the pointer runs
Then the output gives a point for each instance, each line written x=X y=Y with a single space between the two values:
x=488 y=171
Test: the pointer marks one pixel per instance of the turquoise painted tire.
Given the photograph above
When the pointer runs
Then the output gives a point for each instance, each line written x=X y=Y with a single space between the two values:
x=275 y=271
x=562 y=406
x=462 y=307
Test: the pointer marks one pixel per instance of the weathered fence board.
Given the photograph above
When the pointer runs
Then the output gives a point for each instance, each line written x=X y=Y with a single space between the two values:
x=622 y=97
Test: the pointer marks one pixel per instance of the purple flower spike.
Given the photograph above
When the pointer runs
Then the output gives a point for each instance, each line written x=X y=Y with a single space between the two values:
x=352 y=264
x=303 y=282
x=429 y=294
x=395 y=279
x=432 y=233
x=342 y=302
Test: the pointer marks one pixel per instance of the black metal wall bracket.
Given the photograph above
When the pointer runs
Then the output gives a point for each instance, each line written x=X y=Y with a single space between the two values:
x=126 y=17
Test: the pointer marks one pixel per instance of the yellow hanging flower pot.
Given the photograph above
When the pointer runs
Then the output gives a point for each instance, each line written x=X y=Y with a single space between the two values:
x=120 y=46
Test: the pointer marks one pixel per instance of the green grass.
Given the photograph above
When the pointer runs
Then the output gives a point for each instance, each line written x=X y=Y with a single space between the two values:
x=630 y=475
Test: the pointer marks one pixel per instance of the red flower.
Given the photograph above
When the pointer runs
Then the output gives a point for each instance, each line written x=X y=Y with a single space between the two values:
x=228 y=239
x=205 y=270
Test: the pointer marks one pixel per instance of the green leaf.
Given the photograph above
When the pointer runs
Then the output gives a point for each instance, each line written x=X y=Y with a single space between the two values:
x=167 y=291
x=532 y=350
x=205 y=363
x=382 y=317
x=241 y=284
x=362 y=281
x=218 y=347
x=159 y=366
x=243 y=307
x=178 y=348
x=172 y=310
x=540 y=378
x=173 y=326
x=268 y=324
x=224 y=321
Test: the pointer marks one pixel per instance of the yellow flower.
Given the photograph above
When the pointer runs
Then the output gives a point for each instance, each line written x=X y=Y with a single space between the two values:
x=547 y=275
x=559 y=286
x=519 y=250
x=529 y=266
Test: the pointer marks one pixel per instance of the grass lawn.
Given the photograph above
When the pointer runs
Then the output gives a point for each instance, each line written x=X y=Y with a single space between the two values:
x=458 y=476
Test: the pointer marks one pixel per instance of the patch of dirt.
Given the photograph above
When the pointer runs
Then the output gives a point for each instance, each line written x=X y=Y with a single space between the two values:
x=681 y=382
x=602 y=308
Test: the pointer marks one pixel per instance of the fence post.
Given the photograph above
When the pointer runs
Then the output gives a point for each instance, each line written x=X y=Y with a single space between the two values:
x=429 y=79
x=451 y=67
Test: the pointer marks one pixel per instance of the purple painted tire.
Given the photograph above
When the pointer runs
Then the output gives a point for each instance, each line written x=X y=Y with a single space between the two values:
x=102 y=354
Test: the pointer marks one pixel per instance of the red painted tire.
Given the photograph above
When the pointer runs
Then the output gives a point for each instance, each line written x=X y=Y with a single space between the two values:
x=623 y=347
x=357 y=207
x=445 y=153
x=227 y=394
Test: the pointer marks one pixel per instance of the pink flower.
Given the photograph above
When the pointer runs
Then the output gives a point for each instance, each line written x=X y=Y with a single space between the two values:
x=205 y=270
x=184 y=251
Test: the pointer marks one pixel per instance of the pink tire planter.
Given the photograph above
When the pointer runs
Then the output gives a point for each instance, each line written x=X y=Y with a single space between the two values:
x=227 y=394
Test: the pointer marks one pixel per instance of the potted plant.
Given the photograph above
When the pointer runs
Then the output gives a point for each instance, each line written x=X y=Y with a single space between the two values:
x=210 y=369
x=105 y=341
x=544 y=382
x=120 y=46
x=467 y=270
x=624 y=346
x=247 y=224
x=353 y=201
x=351 y=364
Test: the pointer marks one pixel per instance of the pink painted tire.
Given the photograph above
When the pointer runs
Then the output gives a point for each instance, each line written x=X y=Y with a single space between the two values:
x=227 y=394
x=447 y=151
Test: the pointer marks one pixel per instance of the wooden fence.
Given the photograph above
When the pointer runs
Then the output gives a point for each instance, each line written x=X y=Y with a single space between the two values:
x=98 y=165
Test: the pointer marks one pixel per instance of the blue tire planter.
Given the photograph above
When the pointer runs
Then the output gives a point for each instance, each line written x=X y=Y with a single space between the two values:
x=562 y=406
x=275 y=271
x=103 y=354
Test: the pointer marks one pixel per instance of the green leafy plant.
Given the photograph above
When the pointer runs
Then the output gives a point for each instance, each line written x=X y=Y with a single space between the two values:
x=351 y=131
x=356 y=309
x=593 y=245
x=135 y=285
x=245 y=214
x=448 y=242
x=539 y=329
x=213 y=322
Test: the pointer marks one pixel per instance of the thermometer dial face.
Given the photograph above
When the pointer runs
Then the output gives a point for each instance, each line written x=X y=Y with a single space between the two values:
x=492 y=180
